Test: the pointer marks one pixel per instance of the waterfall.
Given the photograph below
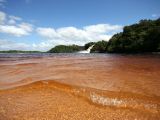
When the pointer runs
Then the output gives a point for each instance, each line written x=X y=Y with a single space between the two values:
x=87 y=51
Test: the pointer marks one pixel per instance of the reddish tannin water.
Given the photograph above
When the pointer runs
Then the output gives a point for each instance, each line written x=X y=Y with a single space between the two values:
x=109 y=85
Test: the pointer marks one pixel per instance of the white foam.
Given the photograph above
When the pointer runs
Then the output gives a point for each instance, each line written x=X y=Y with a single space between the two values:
x=105 y=100
x=135 y=104
x=87 y=51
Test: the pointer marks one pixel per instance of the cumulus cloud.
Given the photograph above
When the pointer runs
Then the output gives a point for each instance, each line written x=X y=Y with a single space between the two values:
x=10 y=45
x=73 y=35
x=47 y=32
x=2 y=17
x=102 y=28
x=26 y=26
x=9 y=25
x=14 y=25
x=20 y=30
x=53 y=37
x=13 y=19
x=42 y=46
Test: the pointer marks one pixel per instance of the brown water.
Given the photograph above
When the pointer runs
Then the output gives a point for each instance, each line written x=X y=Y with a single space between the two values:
x=94 y=86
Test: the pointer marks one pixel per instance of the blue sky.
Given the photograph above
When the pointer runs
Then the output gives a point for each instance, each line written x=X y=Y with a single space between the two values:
x=42 y=24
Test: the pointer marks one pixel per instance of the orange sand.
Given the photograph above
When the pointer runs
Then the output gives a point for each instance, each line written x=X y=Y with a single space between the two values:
x=48 y=100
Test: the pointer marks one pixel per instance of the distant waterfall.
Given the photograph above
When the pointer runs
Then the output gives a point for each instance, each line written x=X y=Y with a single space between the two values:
x=87 y=51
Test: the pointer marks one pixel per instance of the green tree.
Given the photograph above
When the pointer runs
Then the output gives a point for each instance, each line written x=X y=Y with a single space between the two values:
x=100 y=46
x=87 y=45
x=141 y=37
x=65 y=49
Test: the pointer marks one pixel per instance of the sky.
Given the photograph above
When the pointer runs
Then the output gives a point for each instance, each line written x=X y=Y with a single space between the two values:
x=43 y=24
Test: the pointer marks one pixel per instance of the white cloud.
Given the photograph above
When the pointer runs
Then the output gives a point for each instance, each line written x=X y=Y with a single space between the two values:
x=72 y=35
x=10 y=45
x=155 y=15
x=9 y=25
x=20 y=30
x=47 y=32
x=102 y=28
x=42 y=46
x=26 y=26
x=53 y=37
x=2 y=17
x=14 y=25
x=13 y=19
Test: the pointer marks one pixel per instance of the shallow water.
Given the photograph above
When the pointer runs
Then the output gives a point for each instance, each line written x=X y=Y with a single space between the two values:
x=107 y=80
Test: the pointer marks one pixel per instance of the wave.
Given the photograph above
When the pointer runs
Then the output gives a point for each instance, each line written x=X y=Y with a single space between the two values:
x=125 y=103
x=101 y=98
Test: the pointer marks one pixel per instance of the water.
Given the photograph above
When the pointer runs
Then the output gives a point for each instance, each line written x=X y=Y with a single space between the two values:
x=107 y=80
x=87 y=51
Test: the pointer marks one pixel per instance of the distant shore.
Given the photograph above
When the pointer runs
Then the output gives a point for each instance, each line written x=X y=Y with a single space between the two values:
x=19 y=51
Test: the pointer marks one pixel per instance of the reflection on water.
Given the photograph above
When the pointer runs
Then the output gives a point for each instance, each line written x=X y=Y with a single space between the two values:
x=123 y=81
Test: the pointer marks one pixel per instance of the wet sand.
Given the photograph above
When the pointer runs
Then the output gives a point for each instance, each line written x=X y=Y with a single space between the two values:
x=108 y=87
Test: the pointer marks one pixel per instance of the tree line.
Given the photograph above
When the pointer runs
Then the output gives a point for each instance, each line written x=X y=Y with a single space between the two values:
x=137 y=38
